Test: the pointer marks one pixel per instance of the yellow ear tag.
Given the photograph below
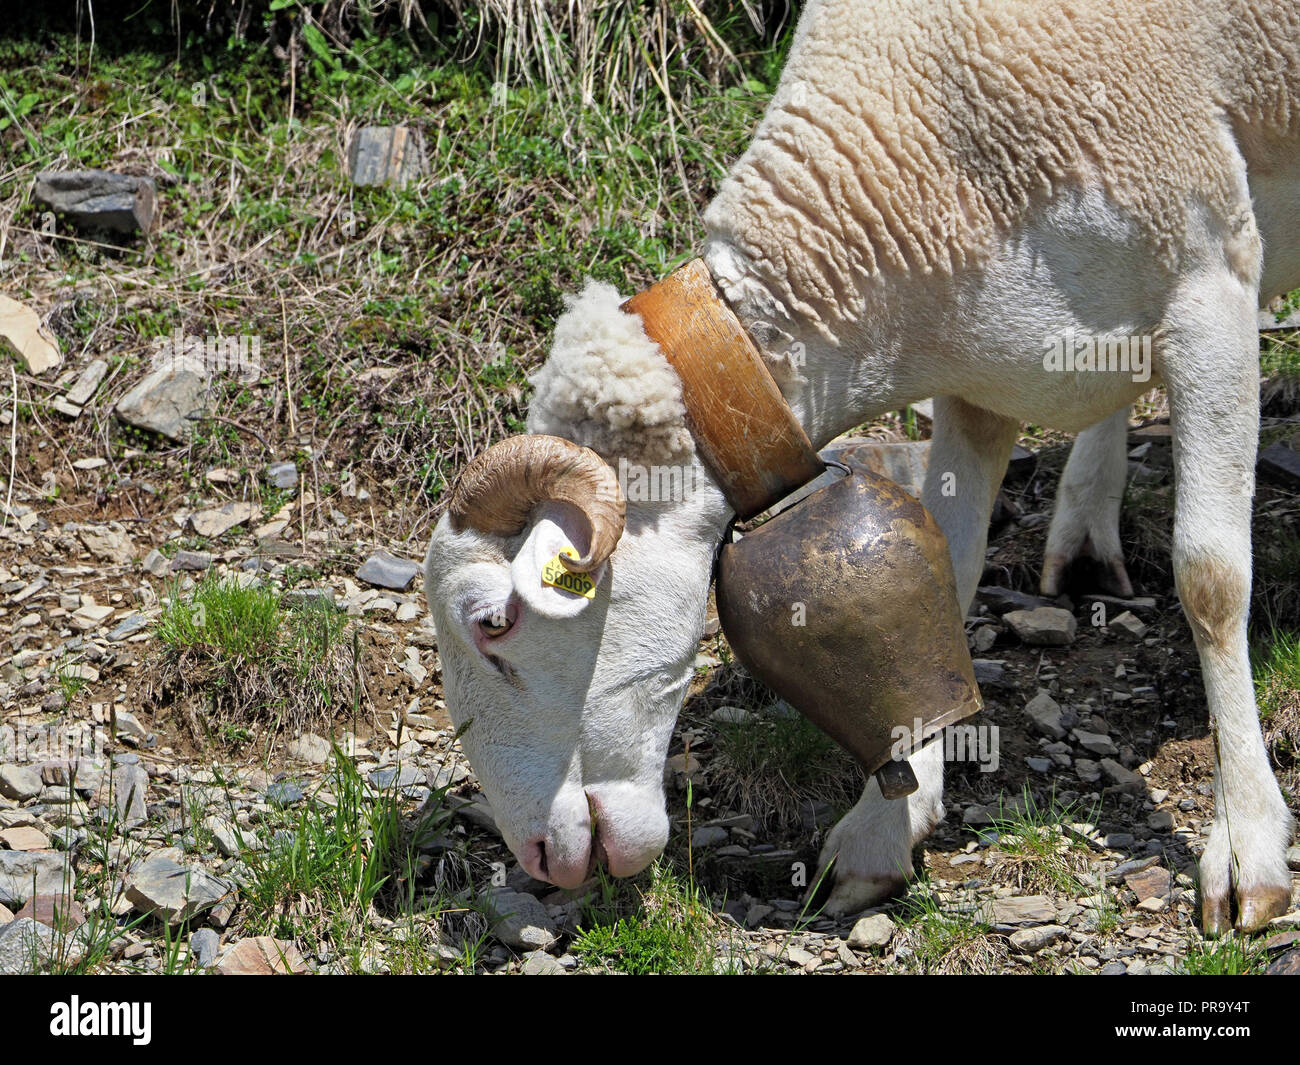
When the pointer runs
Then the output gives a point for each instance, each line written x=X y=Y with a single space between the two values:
x=554 y=574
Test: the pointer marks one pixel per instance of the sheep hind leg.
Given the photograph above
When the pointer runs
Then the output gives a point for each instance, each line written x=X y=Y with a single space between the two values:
x=1085 y=522
x=1212 y=378
x=872 y=844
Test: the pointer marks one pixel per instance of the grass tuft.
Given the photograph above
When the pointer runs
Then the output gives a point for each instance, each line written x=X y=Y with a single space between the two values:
x=235 y=662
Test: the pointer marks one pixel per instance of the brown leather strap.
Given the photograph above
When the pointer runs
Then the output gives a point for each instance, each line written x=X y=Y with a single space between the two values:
x=744 y=430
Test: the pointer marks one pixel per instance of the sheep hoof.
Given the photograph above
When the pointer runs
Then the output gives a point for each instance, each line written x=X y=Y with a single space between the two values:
x=853 y=894
x=1255 y=908
x=1108 y=575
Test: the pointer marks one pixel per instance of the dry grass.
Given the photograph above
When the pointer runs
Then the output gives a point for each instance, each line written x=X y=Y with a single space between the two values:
x=616 y=53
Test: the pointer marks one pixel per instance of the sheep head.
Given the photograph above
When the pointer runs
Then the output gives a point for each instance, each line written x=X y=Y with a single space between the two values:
x=569 y=604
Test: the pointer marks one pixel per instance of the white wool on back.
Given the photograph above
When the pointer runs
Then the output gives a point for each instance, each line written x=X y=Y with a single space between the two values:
x=607 y=386
x=906 y=135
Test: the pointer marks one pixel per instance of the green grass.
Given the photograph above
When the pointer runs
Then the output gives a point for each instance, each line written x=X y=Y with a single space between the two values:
x=1232 y=955
x=237 y=662
x=1276 y=667
x=664 y=928
x=70 y=683
x=1277 y=675
x=345 y=873
x=944 y=938
x=223 y=620
x=1039 y=854
x=525 y=194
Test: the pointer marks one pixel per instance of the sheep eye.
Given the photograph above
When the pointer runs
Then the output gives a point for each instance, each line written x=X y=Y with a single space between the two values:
x=494 y=626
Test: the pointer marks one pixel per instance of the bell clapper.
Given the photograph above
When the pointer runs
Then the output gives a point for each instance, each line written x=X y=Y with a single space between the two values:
x=896 y=779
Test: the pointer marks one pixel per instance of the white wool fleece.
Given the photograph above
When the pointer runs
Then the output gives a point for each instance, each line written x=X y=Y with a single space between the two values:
x=607 y=386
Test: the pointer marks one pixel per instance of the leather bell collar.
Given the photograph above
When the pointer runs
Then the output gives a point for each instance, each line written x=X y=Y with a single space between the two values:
x=745 y=431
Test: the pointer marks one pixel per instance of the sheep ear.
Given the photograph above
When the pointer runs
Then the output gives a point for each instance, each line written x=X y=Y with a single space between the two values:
x=541 y=582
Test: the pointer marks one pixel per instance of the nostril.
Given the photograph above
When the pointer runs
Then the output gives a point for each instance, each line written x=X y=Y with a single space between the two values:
x=534 y=859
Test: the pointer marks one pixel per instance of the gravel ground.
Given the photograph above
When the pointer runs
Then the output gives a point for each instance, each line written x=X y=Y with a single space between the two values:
x=1076 y=854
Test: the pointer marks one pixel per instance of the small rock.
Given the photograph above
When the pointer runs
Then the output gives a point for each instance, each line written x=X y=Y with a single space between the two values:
x=59 y=912
x=1021 y=909
x=1044 y=626
x=224 y=835
x=384 y=155
x=399 y=779
x=1279 y=463
x=283 y=475
x=1161 y=821
x=28 y=947
x=157 y=564
x=165 y=401
x=261 y=956
x=219 y=520
x=1004 y=600
x=976 y=815
x=87 y=383
x=130 y=725
x=388 y=571
x=310 y=747
x=1097 y=743
x=1032 y=940
x=1045 y=715
x=1287 y=965
x=872 y=933
x=539 y=963
x=1293 y=858
x=24 y=874
x=1039 y=765
x=521 y=920
x=285 y=793
x=989 y=671
x=1151 y=882
x=128 y=626
x=192 y=561
x=130 y=786
x=709 y=837
x=20 y=783
x=1087 y=770
x=24 y=839
x=1129 y=624
x=173 y=892
x=1122 y=778
x=204 y=945
x=99 y=199
x=108 y=543
x=730 y=715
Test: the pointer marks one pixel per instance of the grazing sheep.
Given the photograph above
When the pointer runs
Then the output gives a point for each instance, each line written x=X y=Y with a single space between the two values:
x=939 y=191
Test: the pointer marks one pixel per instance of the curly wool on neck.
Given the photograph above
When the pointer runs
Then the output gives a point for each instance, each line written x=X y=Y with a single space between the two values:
x=607 y=386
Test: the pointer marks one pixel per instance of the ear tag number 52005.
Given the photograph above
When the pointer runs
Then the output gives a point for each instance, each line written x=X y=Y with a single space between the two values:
x=554 y=574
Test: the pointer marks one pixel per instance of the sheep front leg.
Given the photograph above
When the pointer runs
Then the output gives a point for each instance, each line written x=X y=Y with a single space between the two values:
x=872 y=843
x=1086 y=518
x=1211 y=371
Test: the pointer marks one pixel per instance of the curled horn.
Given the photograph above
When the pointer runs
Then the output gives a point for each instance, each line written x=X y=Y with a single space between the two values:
x=498 y=491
